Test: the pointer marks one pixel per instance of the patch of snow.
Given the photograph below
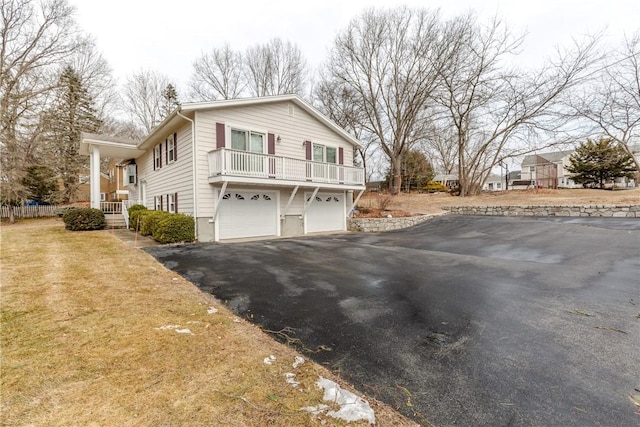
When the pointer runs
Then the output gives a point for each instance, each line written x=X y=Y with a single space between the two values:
x=212 y=310
x=297 y=362
x=236 y=320
x=352 y=407
x=269 y=360
x=315 y=410
x=184 y=331
x=167 y=327
x=291 y=379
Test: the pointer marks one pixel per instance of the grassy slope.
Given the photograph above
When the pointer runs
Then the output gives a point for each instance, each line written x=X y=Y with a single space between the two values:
x=81 y=345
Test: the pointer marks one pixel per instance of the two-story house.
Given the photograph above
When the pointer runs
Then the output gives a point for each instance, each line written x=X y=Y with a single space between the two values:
x=269 y=166
x=548 y=170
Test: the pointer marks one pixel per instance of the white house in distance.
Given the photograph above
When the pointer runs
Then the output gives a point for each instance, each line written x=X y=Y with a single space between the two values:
x=269 y=166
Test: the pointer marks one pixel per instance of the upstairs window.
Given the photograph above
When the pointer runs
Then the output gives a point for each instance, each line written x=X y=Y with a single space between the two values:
x=171 y=148
x=244 y=140
x=157 y=156
x=131 y=172
x=324 y=154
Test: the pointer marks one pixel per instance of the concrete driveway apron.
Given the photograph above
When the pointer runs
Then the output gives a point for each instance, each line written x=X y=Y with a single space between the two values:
x=460 y=320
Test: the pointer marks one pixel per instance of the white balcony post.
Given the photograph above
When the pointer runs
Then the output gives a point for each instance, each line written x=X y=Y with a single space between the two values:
x=95 y=177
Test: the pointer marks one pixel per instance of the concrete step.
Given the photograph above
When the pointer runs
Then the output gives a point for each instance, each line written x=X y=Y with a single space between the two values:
x=115 y=221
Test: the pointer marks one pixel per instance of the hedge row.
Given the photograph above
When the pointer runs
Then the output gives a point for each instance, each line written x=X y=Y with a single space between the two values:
x=163 y=226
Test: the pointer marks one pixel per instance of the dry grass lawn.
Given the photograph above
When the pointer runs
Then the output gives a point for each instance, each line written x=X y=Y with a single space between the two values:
x=433 y=203
x=83 y=343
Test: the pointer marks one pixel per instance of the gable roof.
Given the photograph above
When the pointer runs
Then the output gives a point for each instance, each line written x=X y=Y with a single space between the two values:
x=241 y=102
x=553 y=157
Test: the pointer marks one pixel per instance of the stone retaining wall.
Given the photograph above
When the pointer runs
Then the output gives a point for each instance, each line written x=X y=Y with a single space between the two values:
x=375 y=225
x=623 y=211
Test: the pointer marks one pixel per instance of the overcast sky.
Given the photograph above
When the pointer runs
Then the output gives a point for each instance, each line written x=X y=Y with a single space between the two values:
x=167 y=36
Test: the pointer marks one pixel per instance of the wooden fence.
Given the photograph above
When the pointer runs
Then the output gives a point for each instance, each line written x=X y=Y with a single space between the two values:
x=29 y=211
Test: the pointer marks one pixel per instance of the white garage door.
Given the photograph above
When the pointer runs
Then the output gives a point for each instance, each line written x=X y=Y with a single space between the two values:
x=248 y=214
x=326 y=213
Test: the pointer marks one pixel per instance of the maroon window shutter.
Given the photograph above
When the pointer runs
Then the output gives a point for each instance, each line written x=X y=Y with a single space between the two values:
x=271 y=143
x=341 y=162
x=271 y=149
x=161 y=203
x=175 y=146
x=160 y=156
x=308 y=157
x=308 y=148
x=220 y=143
x=154 y=158
x=175 y=202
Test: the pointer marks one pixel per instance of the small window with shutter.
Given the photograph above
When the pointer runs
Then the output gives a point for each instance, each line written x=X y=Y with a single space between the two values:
x=171 y=148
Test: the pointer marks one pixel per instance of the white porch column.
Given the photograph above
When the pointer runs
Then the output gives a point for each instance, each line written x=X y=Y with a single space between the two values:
x=95 y=177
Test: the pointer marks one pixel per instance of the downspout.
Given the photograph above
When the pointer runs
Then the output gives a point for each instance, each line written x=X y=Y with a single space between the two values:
x=194 y=169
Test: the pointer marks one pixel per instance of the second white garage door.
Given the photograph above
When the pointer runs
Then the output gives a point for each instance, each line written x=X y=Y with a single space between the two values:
x=326 y=213
x=246 y=213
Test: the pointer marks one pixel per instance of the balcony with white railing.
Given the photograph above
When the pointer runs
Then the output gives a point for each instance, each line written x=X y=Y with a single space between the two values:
x=233 y=163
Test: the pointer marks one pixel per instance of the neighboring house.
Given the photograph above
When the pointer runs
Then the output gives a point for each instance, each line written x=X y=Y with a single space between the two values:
x=517 y=183
x=495 y=183
x=83 y=192
x=270 y=166
x=448 y=180
x=119 y=176
x=548 y=170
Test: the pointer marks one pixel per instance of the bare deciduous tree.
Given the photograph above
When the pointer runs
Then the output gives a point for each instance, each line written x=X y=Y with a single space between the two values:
x=94 y=71
x=387 y=60
x=611 y=101
x=217 y=75
x=275 y=68
x=497 y=111
x=340 y=104
x=35 y=37
x=143 y=98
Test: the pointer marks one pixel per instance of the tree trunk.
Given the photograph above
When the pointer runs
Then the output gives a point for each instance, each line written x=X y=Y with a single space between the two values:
x=396 y=175
x=12 y=214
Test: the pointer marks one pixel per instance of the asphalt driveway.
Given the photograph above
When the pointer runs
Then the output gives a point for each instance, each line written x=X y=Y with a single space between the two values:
x=460 y=320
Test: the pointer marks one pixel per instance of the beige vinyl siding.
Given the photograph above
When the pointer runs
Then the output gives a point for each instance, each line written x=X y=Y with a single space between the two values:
x=206 y=141
x=270 y=118
x=297 y=205
x=171 y=178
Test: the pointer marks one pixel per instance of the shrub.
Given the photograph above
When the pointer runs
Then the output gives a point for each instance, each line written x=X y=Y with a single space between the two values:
x=82 y=219
x=174 y=228
x=384 y=200
x=61 y=211
x=435 y=187
x=134 y=215
x=134 y=208
x=148 y=220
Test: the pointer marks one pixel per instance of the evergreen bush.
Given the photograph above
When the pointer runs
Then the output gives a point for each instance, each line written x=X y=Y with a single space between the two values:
x=134 y=215
x=83 y=219
x=174 y=228
x=148 y=220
